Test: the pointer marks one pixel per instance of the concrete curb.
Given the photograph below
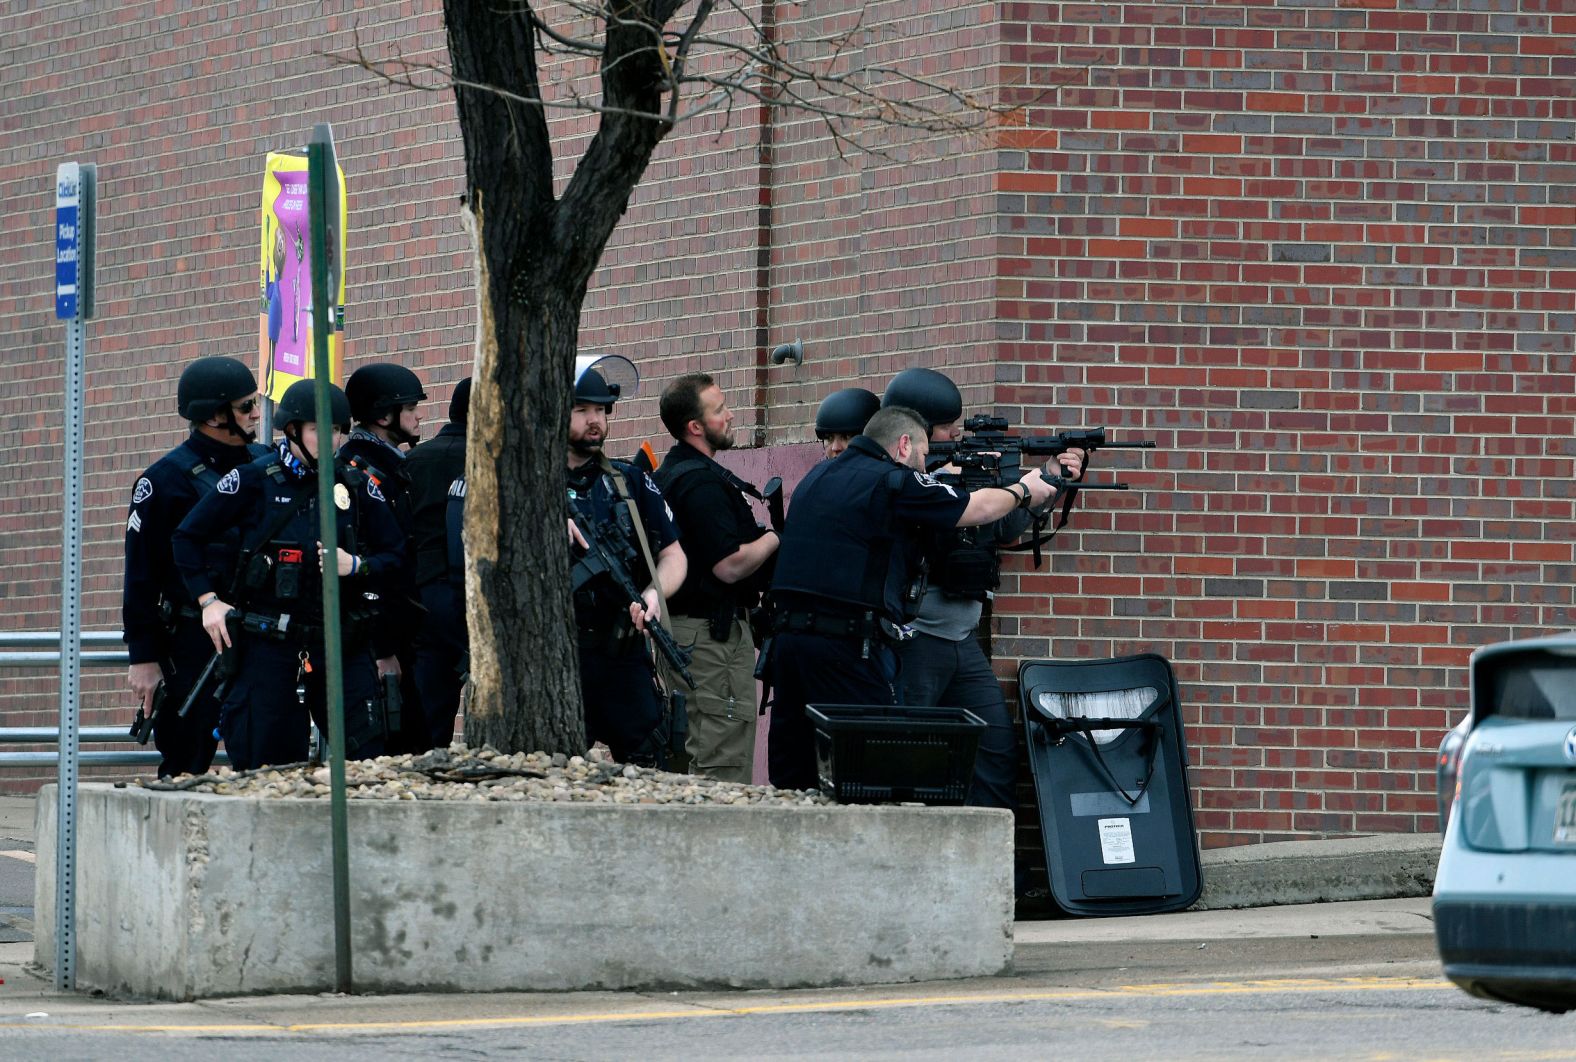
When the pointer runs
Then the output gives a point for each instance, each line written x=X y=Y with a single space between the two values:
x=1382 y=867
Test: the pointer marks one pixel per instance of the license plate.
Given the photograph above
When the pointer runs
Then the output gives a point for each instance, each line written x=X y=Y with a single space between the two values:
x=1565 y=815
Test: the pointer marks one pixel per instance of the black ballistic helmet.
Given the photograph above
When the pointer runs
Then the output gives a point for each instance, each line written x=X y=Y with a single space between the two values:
x=591 y=387
x=298 y=405
x=929 y=393
x=377 y=390
x=460 y=402
x=210 y=384
x=845 y=412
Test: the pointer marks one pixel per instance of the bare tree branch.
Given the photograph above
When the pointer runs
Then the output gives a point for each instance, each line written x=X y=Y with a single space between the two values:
x=821 y=83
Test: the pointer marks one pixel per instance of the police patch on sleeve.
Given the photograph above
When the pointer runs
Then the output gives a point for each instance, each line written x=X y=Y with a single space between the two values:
x=142 y=492
x=231 y=483
x=928 y=480
x=372 y=490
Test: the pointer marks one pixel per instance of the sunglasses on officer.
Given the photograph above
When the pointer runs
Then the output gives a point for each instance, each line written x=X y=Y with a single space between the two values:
x=243 y=408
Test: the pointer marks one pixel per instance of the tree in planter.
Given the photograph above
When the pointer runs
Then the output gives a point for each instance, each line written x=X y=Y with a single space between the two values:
x=536 y=253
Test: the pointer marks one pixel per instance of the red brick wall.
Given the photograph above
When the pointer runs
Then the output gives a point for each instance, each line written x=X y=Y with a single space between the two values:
x=178 y=108
x=1323 y=255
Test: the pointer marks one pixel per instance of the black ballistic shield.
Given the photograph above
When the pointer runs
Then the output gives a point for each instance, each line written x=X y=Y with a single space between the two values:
x=1109 y=761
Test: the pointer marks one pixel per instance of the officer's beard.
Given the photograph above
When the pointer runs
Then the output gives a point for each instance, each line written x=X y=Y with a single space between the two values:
x=585 y=447
x=722 y=440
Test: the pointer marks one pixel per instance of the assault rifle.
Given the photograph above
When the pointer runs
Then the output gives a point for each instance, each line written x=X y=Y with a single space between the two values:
x=607 y=556
x=989 y=455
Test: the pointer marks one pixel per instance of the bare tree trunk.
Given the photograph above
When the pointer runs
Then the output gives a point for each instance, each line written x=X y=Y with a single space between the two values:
x=523 y=660
x=535 y=256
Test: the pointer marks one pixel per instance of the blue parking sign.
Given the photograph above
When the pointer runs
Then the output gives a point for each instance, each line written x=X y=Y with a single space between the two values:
x=68 y=238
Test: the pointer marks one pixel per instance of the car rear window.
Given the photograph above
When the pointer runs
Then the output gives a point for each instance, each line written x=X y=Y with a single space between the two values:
x=1533 y=684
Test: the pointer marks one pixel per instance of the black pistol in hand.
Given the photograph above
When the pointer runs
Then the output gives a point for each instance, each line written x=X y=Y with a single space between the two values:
x=142 y=725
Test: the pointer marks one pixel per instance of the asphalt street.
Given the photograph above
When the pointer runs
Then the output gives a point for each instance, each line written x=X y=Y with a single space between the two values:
x=1350 y=980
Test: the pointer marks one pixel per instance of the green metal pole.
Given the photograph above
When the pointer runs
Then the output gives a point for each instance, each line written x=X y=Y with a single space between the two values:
x=323 y=203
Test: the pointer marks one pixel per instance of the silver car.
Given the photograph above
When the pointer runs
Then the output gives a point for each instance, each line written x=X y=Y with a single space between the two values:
x=1505 y=892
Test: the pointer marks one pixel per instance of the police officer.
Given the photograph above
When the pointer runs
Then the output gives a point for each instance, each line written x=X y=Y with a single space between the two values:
x=841 y=416
x=617 y=682
x=729 y=557
x=442 y=645
x=164 y=637
x=385 y=403
x=279 y=681
x=846 y=575
x=943 y=663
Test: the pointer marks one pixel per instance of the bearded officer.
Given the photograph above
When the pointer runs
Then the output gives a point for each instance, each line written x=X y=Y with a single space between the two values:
x=618 y=682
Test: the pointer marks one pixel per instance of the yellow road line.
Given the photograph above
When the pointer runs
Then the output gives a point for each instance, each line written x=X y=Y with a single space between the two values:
x=1219 y=988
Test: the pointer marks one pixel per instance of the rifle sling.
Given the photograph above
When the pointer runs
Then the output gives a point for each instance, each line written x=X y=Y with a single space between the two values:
x=622 y=487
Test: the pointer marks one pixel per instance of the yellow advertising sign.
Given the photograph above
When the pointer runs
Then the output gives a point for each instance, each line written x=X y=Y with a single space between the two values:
x=285 y=317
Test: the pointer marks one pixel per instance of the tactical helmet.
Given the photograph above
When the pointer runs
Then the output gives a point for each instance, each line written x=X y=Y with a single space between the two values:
x=376 y=390
x=460 y=402
x=591 y=387
x=299 y=404
x=845 y=412
x=210 y=384
x=929 y=393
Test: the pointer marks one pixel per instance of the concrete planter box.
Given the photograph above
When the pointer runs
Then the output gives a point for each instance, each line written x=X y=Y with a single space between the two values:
x=182 y=896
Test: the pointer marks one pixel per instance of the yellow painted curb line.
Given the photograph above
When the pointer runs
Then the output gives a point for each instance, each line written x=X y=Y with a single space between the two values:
x=1218 y=988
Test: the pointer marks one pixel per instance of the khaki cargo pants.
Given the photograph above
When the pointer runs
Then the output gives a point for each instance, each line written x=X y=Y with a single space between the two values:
x=721 y=741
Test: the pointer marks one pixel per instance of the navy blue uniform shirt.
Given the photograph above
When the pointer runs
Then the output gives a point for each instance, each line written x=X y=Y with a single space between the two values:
x=853 y=536
x=248 y=496
x=164 y=494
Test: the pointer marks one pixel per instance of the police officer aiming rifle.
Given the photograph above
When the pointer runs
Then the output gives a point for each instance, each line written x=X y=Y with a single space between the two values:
x=278 y=683
x=944 y=663
x=848 y=573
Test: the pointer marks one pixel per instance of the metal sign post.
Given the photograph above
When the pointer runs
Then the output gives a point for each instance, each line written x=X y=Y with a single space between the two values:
x=323 y=199
x=75 y=201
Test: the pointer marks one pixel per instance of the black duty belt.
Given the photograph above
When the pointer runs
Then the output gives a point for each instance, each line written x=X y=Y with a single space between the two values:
x=831 y=625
